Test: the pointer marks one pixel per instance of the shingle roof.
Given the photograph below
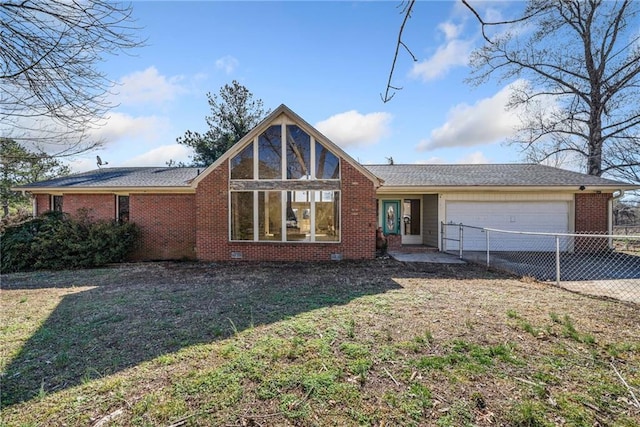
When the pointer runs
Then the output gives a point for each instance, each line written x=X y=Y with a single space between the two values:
x=431 y=175
x=485 y=175
x=123 y=177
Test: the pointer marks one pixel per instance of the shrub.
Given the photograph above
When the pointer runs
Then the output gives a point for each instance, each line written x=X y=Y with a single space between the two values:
x=55 y=241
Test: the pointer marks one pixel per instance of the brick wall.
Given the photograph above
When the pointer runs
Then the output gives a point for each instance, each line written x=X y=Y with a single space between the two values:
x=42 y=203
x=97 y=206
x=394 y=242
x=592 y=212
x=167 y=223
x=592 y=216
x=358 y=223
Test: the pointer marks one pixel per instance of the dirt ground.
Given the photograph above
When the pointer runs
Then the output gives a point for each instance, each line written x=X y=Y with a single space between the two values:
x=119 y=322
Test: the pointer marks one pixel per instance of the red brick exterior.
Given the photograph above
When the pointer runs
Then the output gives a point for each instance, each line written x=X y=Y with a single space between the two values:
x=167 y=223
x=196 y=226
x=592 y=212
x=592 y=217
x=43 y=202
x=97 y=206
x=358 y=224
x=394 y=242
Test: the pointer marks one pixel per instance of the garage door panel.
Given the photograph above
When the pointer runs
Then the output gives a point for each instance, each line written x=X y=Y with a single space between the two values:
x=551 y=217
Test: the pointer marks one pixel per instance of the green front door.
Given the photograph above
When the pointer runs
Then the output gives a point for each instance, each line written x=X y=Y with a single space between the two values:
x=391 y=216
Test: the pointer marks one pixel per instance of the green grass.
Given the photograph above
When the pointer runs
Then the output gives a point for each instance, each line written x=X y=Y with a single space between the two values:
x=373 y=343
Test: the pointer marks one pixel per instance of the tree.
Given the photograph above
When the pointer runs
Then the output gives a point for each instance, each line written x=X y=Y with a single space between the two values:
x=234 y=113
x=21 y=166
x=579 y=61
x=51 y=88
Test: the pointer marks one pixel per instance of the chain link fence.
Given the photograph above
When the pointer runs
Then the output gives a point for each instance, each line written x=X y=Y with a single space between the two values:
x=596 y=264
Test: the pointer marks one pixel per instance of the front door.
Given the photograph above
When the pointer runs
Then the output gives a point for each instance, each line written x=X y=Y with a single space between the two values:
x=391 y=216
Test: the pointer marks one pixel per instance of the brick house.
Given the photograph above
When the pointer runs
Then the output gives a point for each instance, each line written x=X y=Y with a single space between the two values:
x=286 y=192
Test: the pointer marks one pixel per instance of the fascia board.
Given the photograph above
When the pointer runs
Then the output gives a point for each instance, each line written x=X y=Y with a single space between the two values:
x=388 y=189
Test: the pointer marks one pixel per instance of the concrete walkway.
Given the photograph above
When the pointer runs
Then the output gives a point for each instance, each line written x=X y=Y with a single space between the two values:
x=431 y=256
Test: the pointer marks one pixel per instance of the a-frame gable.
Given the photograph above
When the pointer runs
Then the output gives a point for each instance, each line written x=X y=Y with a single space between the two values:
x=290 y=116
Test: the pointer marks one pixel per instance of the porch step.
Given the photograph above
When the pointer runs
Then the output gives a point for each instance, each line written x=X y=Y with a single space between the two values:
x=413 y=249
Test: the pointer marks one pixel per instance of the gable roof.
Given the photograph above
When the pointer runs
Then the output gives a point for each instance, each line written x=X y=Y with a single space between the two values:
x=266 y=122
x=121 y=179
x=438 y=176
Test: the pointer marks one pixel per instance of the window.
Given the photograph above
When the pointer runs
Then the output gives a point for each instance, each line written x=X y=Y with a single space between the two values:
x=270 y=154
x=327 y=163
x=242 y=164
x=304 y=157
x=123 y=208
x=270 y=215
x=305 y=216
x=411 y=217
x=242 y=215
x=56 y=203
x=298 y=153
x=301 y=201
x=327 y=213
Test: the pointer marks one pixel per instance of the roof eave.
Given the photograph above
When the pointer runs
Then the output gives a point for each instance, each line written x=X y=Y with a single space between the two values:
x=105 y=190
x=391 y=189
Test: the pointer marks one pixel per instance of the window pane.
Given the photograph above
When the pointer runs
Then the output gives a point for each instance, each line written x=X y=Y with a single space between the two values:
x=123 y=208
x=270 y=215
x=298 y=153
x=242 y=215
x=241 y=164
x=327 y=216
x=298 y=219
x=270 y=154
x=56 y=204
x=327 y=164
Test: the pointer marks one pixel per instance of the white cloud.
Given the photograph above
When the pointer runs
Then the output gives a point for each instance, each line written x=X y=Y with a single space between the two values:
x=475 y=158
x=83 y=164
x=450 y=30
x=119 y=126
x=352 y=129
x=485 y=122
x=160 y=156
x=148 y=87
x=227 y=63
x=452 y=53
x=431 y=161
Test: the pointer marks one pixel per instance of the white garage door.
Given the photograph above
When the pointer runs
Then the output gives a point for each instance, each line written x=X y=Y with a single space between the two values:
x=552 y=217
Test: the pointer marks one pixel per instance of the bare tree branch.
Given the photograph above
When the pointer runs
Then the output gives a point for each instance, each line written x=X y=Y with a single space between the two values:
x=407 y=14
x=52 y=92
x=581 y=60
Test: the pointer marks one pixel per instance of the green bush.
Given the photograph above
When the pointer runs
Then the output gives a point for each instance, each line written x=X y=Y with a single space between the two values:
x=55 y=241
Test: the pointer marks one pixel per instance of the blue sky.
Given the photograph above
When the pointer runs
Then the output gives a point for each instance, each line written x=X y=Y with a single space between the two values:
x=327 y=61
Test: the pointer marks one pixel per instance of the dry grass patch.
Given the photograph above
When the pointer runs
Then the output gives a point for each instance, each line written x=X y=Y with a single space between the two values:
x=349 y=343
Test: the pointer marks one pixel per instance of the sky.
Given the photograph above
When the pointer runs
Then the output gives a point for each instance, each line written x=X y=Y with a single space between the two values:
x=329 y=61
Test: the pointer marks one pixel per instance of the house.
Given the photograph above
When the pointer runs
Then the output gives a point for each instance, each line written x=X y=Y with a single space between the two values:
x=286 y=192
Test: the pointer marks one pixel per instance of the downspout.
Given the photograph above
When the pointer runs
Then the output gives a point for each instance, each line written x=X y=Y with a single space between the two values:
x=615 y=197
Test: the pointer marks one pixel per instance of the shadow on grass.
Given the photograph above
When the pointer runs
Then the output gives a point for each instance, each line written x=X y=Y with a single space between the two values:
x=138 y=312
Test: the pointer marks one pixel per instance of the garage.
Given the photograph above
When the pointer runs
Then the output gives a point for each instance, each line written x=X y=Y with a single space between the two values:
x=533 y=216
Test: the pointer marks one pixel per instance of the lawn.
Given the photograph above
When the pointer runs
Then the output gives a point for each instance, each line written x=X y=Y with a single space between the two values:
x=378 y=343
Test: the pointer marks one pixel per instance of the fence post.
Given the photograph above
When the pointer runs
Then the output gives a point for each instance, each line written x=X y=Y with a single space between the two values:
x=487 y=239
x=442 y=240
x=460 y=243
x=558 y=260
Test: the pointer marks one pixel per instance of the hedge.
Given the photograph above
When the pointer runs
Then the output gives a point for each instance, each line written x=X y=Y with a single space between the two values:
x=56 y=241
